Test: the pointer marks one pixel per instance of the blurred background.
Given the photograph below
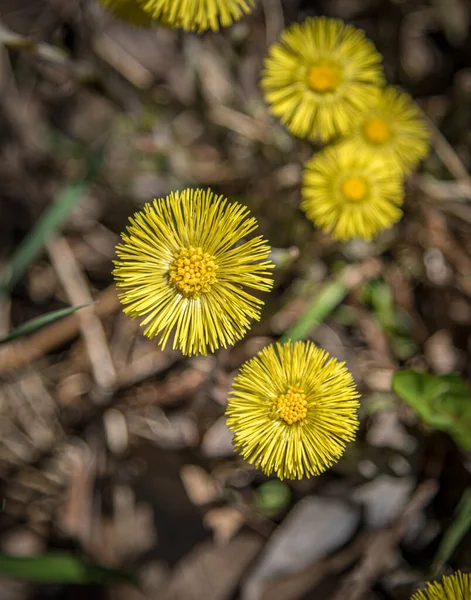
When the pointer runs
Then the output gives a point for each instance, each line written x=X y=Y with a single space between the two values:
x=117 y=453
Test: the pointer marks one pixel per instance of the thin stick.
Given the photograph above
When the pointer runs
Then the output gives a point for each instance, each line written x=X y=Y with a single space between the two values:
x=76 y=288
x=447 y=154
x=20 y=353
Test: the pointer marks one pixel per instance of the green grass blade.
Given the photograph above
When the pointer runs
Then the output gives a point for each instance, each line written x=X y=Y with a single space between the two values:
x=50 y=222
x=324 y=303
x=60 y=567
x=455 y=532
x=33 y=324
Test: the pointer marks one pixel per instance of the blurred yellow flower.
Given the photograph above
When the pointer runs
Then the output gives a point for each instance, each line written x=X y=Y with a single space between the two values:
x=393 y=129
x=183 y=265
x=292 y=410
x=320 y=76
x=198 y=15
x=351 y=194
x=452 y=587
x=128 y=10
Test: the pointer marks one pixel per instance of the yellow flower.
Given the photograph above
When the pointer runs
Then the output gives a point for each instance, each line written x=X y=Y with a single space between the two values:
x=320 y=76
x=198 y=15
x=350 y=194
x=452 y=587
x=184 y=267
x=128 y=10
x=393 y=129
x=292 y=409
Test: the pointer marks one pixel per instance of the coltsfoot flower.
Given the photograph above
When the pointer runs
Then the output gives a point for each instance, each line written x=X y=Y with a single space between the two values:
x=197 y=15
x=452 y=587
x=392 y=129
x=128 y=10
x=320 y=76
x=350 y=194
x=292 y=410
x=184 y=267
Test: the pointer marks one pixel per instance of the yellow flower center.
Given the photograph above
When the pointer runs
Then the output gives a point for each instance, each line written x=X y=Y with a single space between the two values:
x=323 y=78
x=292 y=406
x=354 y=188
x=377 y=130
x=192 y=272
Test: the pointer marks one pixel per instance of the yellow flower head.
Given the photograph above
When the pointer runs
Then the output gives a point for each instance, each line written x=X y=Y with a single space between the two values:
x=198 y=15
x=320 y=76
x=184 y=267
x=393 y=129
x=452 y=587
x=351 y=195
x=128 y=10
x=292 y=409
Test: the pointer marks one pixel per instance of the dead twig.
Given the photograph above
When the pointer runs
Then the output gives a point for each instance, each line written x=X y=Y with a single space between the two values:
x=20 y=353
x=76 y=288
x=445 y=190
x=274 y=19
x=447 y=154
x=378 y=551
x=14 y=41
x=295 y=585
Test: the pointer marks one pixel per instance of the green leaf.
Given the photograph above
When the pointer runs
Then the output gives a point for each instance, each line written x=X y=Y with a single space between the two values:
x=60 y=567
x=324 y=303
x=272 y=497
x=382 y=302
x=441 y=401
x=33 y=324
x=416 y=388
x=50 y=222
x=455 y=532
